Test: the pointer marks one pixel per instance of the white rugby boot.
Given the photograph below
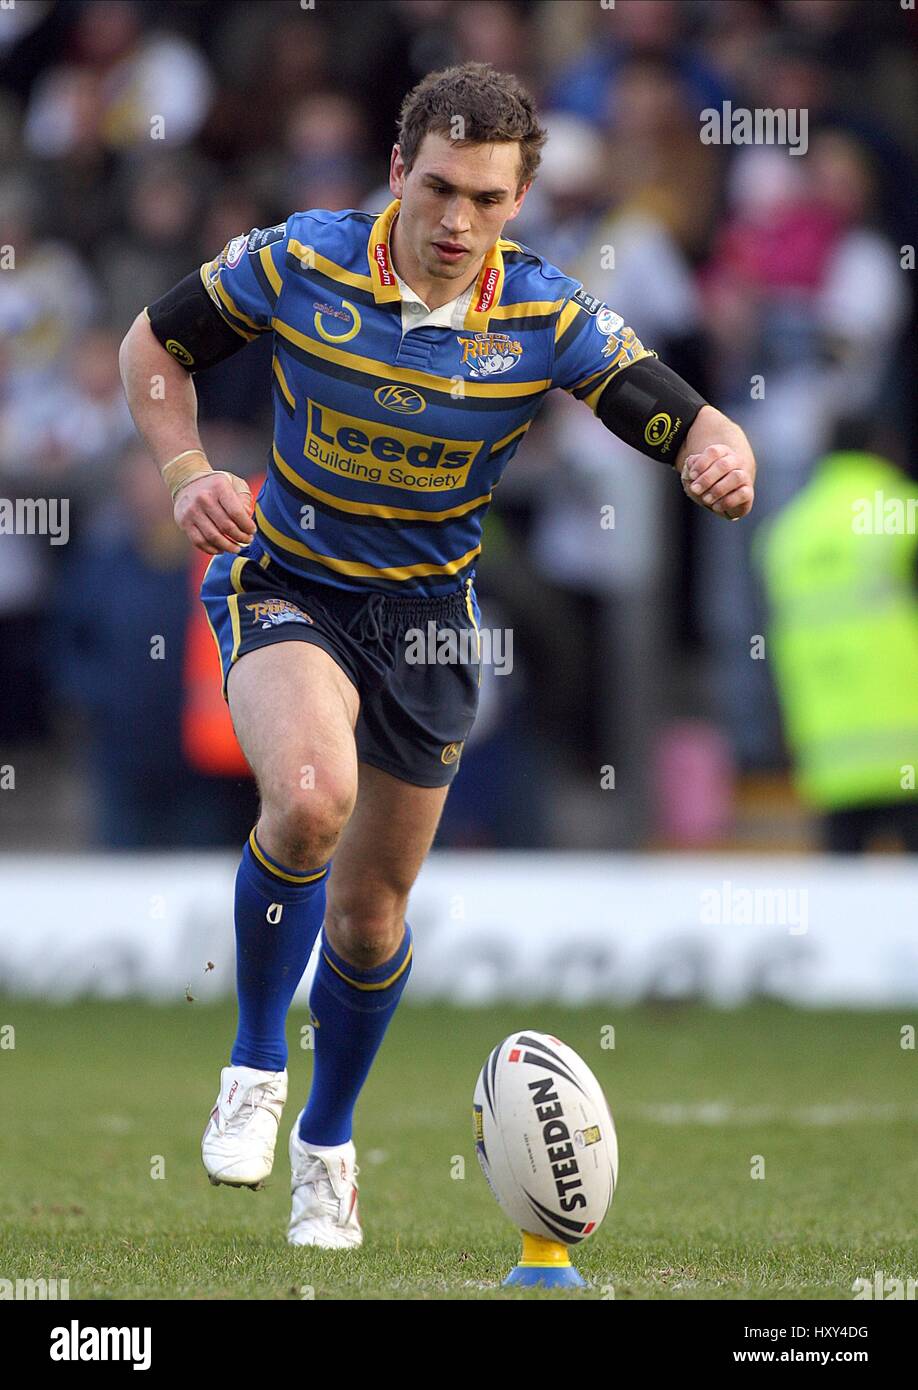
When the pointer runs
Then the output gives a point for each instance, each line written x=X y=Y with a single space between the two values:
x=324 y=1188
x=238 y=1144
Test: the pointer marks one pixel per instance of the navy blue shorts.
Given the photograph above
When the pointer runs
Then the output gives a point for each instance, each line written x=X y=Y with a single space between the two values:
x=415 y=715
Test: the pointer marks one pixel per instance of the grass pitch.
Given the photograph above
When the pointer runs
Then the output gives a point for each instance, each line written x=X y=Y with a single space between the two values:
x=99 y=1098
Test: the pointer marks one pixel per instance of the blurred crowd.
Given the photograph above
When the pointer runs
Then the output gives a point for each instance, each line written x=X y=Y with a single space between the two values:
x=137 y=138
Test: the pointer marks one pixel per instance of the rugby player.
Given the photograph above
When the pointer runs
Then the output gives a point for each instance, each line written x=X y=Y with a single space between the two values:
x=411 y=351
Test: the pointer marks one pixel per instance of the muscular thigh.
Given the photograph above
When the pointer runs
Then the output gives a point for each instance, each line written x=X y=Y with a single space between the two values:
x=294 y=712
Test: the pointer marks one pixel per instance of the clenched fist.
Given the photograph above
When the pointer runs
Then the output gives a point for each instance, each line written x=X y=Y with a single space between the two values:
x=719 y=480
x=214 y=512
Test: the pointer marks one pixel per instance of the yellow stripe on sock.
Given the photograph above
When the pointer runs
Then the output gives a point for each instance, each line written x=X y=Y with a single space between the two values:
x=382 y=984
x=279 y=873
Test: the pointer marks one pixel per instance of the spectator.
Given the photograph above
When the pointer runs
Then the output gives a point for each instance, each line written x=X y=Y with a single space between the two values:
x=120 y=611
x=47 y=297
x=65 y=439
x=164 y=202
x=840 y=565
x=738 y=265
x=122 y=88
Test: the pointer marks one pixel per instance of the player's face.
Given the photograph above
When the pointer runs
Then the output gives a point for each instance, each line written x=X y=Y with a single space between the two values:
x=455 y=202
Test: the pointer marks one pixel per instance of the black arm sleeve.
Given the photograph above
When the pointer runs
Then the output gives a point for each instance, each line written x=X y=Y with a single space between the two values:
x=190 y=327
x=650 y=407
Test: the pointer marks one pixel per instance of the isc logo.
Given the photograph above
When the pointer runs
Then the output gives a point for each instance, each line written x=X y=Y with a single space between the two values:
x=402 y=399
x=371 y=452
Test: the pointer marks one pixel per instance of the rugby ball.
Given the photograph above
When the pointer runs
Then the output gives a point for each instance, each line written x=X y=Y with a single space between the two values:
x=545 y=1137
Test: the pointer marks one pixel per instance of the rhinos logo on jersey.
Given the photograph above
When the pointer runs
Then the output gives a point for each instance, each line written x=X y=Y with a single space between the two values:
x=490 y=354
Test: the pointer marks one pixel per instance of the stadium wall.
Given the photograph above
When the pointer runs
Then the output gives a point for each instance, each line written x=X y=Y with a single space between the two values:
x=494 y=927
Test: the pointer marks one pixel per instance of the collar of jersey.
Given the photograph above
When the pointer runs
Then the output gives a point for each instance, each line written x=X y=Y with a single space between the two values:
x=486 y=291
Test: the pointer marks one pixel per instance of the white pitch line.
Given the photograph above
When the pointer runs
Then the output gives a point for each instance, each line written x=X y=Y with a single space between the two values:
x=724 y=1112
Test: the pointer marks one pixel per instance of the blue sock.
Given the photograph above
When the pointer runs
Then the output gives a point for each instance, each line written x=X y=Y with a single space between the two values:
x=278 y=916
x=351 y=1010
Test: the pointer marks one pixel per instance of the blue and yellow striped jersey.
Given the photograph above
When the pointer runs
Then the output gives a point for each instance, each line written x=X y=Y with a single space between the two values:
x=389 y=440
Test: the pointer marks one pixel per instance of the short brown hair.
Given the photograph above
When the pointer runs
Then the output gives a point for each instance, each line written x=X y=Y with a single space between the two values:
x=494 y=107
